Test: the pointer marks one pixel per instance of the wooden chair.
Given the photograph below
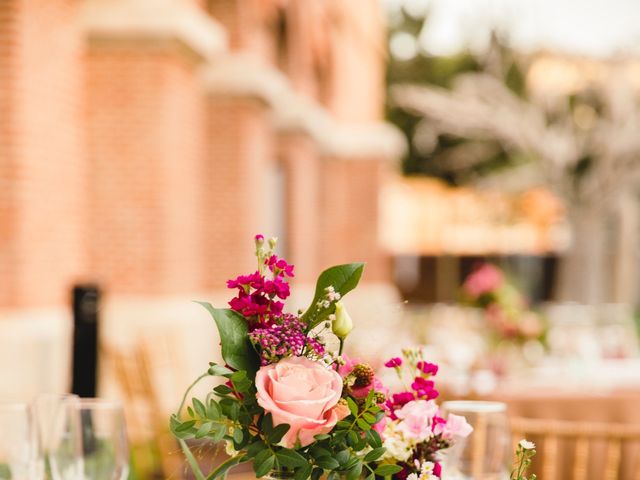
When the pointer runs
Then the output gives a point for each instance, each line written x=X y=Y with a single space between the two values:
x=141 y=373
x=597 y=450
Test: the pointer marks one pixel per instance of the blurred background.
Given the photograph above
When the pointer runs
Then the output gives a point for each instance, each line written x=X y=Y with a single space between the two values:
x=482 y=156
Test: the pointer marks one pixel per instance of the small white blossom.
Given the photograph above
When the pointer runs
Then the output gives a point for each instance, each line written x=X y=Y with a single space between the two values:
x=228 y=448
x=332 y=317
x=397 y=446
x=425 y=472
x=527 y=445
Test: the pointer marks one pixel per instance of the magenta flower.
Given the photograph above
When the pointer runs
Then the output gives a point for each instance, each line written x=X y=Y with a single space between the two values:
x=402 y=398
x=250 y=305
x=394 y=362
x=279 y=266
x=427 y=368
x=243 y=282
x=276 y=287
x=437 y=421
x=437 y=469
x=424 y=388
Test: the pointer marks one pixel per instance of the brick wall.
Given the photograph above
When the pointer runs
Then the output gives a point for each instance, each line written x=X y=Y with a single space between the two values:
x=303 y=172
x=239 y=152
x=146 y=133
x=349 y=215
x=41 y=161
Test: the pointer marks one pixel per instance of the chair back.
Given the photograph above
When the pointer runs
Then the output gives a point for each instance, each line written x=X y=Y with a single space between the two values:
x=581 y=450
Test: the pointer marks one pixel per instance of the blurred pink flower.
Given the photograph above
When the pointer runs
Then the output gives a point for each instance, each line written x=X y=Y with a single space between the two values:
x=485 y=279
x=455 y=426
x=415 y=419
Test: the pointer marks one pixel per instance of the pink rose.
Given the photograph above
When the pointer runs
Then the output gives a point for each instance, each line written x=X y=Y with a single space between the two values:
x=455 y=426
x=415 y=419
x=302 y=393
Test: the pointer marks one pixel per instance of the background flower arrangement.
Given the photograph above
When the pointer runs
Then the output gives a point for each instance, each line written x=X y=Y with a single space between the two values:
x=506 y=310
x=294 y=406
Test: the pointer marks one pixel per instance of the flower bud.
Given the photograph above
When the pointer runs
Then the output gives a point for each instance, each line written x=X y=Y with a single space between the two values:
x=273 y=241
x=259 y=239
x=343 y=324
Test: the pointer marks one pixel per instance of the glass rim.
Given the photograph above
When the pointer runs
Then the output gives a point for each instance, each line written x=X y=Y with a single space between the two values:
x=474 y=406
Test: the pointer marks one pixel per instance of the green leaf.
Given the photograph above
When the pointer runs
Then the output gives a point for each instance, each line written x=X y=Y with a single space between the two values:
x=213 y=410
x=387 y=469
x=322 y=436
x=185 y=426
x=199 y=407
x=237 y=351
x=242 y=385
x=363 y=424
x=290 y=458
x=278 y=432
x=255 y=448
x=353 y=407
x=217 y=433
x=374 y=454
x=343 y=278
x=373 y=439
x=238 y=436
x=303 y=472
x=369 y=418
x=224 y=467
x=355 y=471
x=343 y=457
x=219 y=370
x=263 y=463
x=317 y=452
x=204 y=429
x=328 y=463
x=266 y=424
x=222 y=390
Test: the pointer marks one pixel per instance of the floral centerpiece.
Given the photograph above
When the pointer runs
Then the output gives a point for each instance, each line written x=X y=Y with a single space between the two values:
x=505 y=308
x=291 y=404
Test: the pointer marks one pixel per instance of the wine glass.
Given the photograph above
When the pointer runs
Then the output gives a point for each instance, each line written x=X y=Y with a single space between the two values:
x=47 y=407
x=89 y=441
x=20 y=455
x=483 y=455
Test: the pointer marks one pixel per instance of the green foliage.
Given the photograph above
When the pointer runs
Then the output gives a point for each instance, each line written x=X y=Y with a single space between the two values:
x=232 y=414
x=343 y=278
x=236 y=347
x=442 y=71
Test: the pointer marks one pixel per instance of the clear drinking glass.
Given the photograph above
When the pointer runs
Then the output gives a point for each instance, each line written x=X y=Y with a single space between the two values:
x=20 y=454
x=485 y=454
x=48 y=406
x=89 y=441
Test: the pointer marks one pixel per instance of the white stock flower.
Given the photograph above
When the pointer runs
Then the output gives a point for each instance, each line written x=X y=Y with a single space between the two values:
x=397 y=446
x=527 y=445
x=425 y=472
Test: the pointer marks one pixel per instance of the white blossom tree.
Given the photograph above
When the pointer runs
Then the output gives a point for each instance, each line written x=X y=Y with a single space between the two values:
x=586 y=148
